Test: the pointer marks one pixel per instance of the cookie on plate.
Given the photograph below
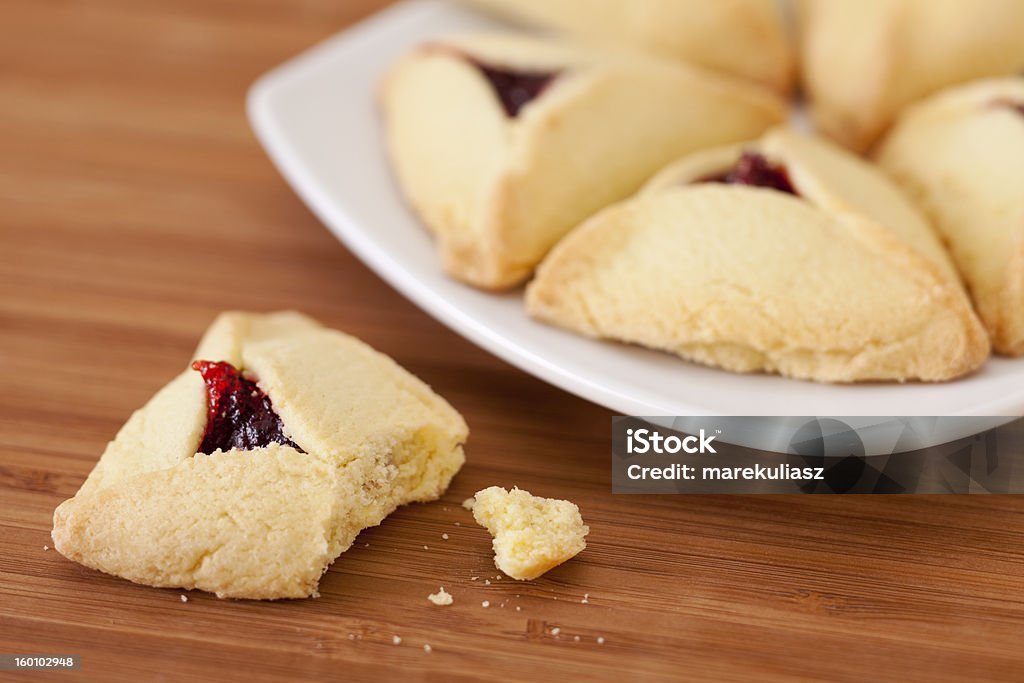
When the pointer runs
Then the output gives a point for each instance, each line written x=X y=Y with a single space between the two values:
x=745 y=38
x=253 y=470
x=786 y=255
x=863 y=61
x=961 y=154
x=503 y=143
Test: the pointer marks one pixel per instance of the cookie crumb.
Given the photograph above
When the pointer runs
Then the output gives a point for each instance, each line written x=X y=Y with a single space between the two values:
x=498 y=577
x=184 y=598
x=444 y=537
x=485 y=604
x=473 y=578
x=469 y=502
x=600 y=640
x=396 y=640
x=458 y=523
x=530 y=534
x=45 y=548
x=555 y=631
x=586 y=598
x=487 y=582
x=351 y=636
x=426 y=547
x=427 y=648
x=441 y=597
x=576 y=638
x=518 y=608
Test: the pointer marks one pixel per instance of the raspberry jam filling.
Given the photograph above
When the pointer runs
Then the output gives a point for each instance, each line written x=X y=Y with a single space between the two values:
x=754 y=170
x=239 y=414
x=515 y=89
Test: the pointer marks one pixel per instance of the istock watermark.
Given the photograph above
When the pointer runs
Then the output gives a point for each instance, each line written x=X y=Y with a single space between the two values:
x=652 y=441
x=817 y=455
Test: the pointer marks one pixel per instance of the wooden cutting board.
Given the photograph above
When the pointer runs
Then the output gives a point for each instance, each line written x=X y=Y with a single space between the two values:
x=136 y=204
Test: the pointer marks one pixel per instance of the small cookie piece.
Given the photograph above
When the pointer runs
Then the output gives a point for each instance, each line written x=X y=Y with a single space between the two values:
x=744 y=38
x=961 y=155
x=502 y=143
x=441 y=598
x=864 y=61
x=787 y=255
x=531 y=534
x=250 y=483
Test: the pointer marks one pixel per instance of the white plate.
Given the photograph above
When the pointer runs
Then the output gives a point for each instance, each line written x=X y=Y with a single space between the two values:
x=317 y=117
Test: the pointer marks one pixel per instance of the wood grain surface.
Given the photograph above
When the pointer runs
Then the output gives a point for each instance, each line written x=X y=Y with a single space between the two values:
x=136 y=204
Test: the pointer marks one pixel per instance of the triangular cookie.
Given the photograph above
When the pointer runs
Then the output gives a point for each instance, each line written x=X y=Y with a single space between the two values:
x=864 y=61
x=745 y=38
x=503 y=143
x=344 y=437
x=961 y=154
x=841 y=281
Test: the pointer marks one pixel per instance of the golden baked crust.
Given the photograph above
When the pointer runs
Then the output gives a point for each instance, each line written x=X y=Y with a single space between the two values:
x=744 y=38
x=845 y=283
x=267 y=522
x=961 y=155
x=863 y=61
x=499 y=190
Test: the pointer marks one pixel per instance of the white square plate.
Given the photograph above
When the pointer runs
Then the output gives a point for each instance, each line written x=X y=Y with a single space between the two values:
x=316 y=116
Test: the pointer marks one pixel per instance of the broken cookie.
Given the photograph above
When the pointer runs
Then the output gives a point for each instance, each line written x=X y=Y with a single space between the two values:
x=253 y=470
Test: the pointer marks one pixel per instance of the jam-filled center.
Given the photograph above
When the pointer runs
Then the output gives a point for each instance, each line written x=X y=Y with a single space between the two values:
x=755 y=170
x=514 y=88
x=239 y=414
